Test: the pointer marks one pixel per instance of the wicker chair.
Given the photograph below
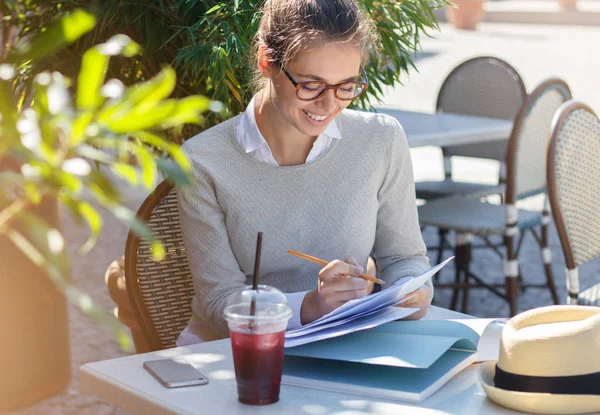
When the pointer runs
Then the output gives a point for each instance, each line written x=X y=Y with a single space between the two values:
x=483 y=86
x=574 y=192
x=526 y=167
x=154 y=298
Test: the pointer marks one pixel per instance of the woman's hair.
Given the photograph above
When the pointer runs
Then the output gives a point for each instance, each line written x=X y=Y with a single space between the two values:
x=290 y=26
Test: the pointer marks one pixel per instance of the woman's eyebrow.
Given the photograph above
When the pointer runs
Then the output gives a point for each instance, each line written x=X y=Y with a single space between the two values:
x=318 y=78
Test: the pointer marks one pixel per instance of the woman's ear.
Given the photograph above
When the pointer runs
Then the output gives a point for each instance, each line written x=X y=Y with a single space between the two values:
x=264 y=65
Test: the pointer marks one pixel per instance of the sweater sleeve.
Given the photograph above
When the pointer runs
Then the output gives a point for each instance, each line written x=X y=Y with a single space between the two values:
x=399 y=247
x=215 y=272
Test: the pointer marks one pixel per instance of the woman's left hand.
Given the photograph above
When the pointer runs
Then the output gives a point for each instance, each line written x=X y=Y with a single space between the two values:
x=419 y=298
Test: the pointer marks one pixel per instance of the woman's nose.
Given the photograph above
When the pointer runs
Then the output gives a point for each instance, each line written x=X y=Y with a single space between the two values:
x=327 y=100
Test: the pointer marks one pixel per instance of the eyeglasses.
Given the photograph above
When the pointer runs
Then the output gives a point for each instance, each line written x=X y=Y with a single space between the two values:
x=344 y=91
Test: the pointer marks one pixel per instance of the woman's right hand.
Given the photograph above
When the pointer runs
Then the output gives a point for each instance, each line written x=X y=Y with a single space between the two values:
x=337 y=285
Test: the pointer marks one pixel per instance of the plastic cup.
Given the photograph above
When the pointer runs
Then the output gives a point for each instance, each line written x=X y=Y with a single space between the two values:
x=257 y=344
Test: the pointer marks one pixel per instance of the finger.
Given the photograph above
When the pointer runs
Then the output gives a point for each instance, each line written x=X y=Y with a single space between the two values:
x=345 y=296
x=415 y=297
x=337 y=269
x=350 y=260
x=346 y=284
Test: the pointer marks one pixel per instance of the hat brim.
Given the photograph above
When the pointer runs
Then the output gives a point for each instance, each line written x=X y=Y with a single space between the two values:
x=539 y=403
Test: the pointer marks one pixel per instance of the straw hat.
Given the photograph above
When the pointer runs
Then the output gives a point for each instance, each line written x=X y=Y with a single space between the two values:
x=549 y=362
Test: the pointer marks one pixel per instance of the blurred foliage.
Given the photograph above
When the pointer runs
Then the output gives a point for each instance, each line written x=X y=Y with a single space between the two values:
x=57 y=145
x=208 y=42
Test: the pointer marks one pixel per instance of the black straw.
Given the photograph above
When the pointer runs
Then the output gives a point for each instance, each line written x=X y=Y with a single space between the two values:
x=256 y=272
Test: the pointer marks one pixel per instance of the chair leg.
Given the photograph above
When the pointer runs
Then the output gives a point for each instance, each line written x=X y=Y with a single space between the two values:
x=511 y=275
x=442 y=244
x=461 y=253
x=458 y=269
x=547 y=254
x=467 y=262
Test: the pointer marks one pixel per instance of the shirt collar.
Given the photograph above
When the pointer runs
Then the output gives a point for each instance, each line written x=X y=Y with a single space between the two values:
x=250 y=136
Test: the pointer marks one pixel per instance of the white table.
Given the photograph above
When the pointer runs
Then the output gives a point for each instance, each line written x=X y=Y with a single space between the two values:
x=443 y=129
x=125 y=383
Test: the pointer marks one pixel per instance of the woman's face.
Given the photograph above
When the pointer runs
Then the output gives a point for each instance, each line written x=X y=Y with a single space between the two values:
x=331 y=63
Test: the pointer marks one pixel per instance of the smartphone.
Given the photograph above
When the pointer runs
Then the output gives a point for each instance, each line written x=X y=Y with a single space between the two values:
x=175 y=373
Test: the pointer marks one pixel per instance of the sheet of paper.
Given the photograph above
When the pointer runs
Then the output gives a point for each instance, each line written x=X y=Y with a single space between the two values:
x=381 y=317
x=382 y=299
x=490 y=334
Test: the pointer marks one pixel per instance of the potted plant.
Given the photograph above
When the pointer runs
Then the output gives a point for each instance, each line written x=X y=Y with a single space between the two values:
x=51 y=152
x=465 y=14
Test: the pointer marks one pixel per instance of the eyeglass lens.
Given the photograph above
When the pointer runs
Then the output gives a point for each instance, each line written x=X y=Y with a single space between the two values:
x=348 y=90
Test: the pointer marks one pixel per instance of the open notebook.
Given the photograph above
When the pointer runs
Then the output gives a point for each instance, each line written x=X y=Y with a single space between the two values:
x=363 y=313
x=400 y=361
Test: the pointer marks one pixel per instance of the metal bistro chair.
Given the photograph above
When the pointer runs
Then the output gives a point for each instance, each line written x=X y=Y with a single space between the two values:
x=483 y=86
x=159 y=293
x=526 y=176
x=574 y=192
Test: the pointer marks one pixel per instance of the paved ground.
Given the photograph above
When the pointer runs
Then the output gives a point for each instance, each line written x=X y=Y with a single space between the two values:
x=536 y=51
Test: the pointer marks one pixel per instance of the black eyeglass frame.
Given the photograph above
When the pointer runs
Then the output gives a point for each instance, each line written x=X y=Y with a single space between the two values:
x=299 y=85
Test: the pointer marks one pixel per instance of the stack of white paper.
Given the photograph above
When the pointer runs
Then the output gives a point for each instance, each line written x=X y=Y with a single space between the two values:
x=361 y=314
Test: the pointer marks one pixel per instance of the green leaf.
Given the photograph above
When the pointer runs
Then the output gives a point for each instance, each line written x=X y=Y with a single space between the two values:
x=141 y=118
x=148 y=166
x=102 y=188
x=55 y=37
x=94 y=221
x=32 y=192
x=127 y=172
x=108 y=321
x=81 y=211
x=8 y=118
x=136 y=225
x=80 y=124
x=92 y=153
x=94 y=67
x=91 y=77
x=188 y=111
x=158 y=251
x=215 y=8
x=173 y=150
x=173 y=172
x=146 y=94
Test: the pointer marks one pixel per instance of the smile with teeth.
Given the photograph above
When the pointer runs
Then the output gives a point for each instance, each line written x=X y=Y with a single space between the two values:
x=316 y=117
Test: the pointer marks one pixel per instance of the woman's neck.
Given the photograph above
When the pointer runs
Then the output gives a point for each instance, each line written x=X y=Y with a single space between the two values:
x=288 y=145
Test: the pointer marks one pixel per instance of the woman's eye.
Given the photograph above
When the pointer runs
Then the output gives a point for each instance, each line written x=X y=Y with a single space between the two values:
x=348 y=88
x=312 y=87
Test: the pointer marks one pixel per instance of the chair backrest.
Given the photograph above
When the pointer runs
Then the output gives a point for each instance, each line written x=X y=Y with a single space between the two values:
x=160 y=292
x=574 y=183
x=528 y=143
x=483 y=86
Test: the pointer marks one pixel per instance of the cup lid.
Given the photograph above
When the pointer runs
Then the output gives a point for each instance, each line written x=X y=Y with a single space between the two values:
x=269 y=304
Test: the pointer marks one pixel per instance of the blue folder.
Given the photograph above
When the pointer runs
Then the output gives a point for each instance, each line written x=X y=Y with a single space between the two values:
x=401 y=360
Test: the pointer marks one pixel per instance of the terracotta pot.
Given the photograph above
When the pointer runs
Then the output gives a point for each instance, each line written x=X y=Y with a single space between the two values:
x=466 y=13
x=34 y=346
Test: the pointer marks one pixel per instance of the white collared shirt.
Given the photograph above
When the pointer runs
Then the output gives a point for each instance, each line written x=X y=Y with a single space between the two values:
x=251 y=139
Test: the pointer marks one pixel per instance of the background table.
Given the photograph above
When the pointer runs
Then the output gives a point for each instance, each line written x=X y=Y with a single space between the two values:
x=443 y=129
x=125 y=383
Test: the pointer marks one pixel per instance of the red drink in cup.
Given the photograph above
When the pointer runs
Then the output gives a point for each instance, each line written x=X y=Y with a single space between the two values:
x=258 y=359
x=257 y=343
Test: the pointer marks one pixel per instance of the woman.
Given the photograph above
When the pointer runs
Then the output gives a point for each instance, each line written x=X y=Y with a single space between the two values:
x=310 y=174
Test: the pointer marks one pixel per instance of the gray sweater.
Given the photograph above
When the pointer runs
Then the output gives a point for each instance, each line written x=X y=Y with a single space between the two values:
x=358 y=195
